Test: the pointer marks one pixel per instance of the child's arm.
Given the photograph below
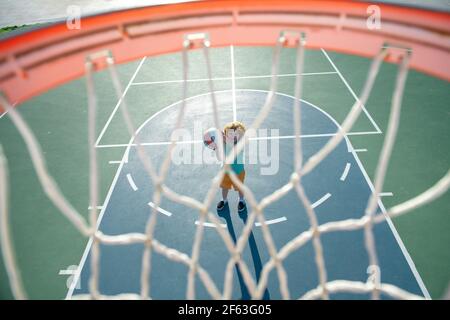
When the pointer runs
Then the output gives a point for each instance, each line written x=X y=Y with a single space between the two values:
x=217 y=149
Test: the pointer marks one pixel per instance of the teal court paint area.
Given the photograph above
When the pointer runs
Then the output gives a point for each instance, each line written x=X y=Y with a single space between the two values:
x=127 y=209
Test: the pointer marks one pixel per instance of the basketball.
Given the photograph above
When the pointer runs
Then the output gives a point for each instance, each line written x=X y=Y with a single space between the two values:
x=210 y=138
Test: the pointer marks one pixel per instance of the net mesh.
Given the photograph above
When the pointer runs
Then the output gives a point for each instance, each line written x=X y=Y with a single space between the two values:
x=256 y=288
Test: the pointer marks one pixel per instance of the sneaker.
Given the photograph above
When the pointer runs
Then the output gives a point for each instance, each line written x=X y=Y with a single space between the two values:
x=241 y=206
x=220 y=205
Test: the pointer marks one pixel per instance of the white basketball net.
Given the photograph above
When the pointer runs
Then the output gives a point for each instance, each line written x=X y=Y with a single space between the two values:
x=151 y=245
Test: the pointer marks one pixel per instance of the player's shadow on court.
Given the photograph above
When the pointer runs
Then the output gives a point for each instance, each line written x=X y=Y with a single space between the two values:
x=255 y=253
x=225 y=213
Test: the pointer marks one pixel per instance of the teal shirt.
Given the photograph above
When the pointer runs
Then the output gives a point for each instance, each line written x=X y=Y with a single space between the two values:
x=238 y=163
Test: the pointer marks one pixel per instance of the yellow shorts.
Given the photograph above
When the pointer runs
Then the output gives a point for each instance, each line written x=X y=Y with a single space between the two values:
x=227 y=183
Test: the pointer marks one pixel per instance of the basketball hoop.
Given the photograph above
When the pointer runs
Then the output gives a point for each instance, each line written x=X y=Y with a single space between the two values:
x=42 y=59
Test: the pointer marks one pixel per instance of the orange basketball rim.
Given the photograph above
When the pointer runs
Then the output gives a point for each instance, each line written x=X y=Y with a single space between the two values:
x=34 y=62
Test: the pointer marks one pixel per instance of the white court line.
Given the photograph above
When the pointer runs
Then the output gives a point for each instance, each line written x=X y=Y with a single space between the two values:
x=131 y=182
x=114 y=162
x=351 y=91
x=67 y=272
x=209 y=224
x=98 y=207
x=394 y=231
x=4 y=113
x=359 y=133
x=292 y=136
x=321 y=200
x=233 y=82
x=200 y=141
x=386 y=194
x=318 y=135
x=119 y=102
x=360 y=150
x=346 y=170
x=288 y=75
x=273 y=221
x=76 y=278
x=144 y=144
x=143 y=83
x=349 y=147
x=119 y=145
x=159 y=209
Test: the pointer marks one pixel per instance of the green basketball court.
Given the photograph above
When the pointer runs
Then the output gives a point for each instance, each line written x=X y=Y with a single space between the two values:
x=54 y=257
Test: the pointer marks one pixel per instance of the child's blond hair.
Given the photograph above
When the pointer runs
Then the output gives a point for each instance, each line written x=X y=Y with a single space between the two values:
x=235 y=125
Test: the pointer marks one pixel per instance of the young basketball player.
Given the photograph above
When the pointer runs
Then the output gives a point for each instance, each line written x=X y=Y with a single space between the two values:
x=232 y=133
